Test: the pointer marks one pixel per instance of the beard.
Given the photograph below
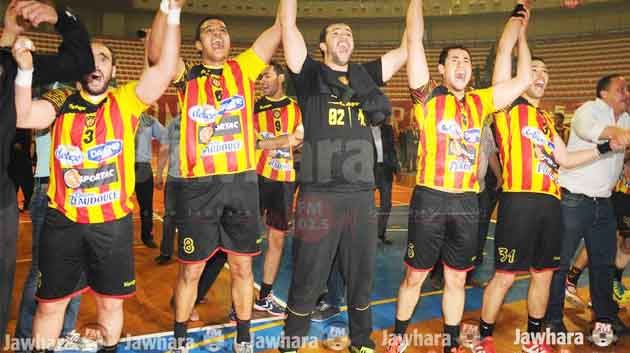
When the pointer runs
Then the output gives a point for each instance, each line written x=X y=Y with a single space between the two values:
x=94 y=91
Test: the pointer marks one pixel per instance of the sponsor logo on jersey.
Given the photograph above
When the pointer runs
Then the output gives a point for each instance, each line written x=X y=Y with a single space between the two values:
x=229 y=125
x=81 y=199
x=537 y=137
x=221 y=147
x=69 y=155
x=105 y=151
x=451 y=128
x=472 y=135
x=90 y=178
x=207 y=114
x=281 y=165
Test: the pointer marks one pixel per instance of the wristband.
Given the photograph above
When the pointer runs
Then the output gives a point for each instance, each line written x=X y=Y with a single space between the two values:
x=164 y=6
x=604 y=148
x=173 y=16
x=24 y=78
x=517 y=9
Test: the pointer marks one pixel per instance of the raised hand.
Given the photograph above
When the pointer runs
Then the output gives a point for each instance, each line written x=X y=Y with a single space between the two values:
x=177 y=4
x=36 y=12
x=22 y=52
x=10 y=19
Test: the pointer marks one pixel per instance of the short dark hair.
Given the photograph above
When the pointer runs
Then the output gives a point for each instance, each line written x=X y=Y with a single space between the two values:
x=604 y=83
x=207 y=18
x=277 y=67
x=110 y=50
x=324 y=31
x=538 y=58
x=445 y=51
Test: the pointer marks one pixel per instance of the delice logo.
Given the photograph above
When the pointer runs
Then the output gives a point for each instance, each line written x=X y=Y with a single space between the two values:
x=69 y=155
x=450 y=127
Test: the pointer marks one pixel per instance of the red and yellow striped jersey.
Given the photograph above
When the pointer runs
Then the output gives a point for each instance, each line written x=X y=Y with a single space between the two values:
x=221 y=99
x=93 y=155
x=623 y=185
x=525 y=137
x=449 y=138
x=276 y=118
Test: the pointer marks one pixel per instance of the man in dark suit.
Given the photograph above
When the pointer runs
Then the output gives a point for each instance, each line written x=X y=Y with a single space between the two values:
x=385 y=168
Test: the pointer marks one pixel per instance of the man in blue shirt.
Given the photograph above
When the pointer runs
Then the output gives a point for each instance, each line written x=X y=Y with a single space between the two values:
x=148 y=129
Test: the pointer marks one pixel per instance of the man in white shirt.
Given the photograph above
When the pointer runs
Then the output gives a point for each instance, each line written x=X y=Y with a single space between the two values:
x=586 y=204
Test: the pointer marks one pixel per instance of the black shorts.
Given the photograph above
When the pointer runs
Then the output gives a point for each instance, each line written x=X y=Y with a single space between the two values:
x=276 y=202
x=442 y=225
x=529 y=232
x=218 y=213
x=621 y=204
x=75 y=257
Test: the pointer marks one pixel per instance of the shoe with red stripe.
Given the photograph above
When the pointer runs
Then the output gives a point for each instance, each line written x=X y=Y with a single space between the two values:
x=538 y=348
x=486 y=345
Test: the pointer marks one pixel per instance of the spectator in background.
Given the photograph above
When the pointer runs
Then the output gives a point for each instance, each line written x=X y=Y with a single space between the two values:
x=587 y=207
x=384 y=170
x=561 y=128
x=169 y=152
x=412 y=146
x=21 y=166
x=489 y=185
x=402 y=145
x=148 y=129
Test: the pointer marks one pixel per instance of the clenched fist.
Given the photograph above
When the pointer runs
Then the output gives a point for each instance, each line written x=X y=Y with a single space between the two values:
x=22 y=52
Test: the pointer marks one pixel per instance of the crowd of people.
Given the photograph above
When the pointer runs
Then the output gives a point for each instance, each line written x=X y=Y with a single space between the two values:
x=231 y=168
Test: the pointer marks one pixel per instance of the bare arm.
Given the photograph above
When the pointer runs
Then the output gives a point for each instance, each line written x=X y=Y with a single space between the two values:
x=156 y=79
x=292 y=40
x=283 y=141
x=161 y=165
x=394 y=60
x=29 y=114
x=504 y=93
x=569 y=160
x=417 y=67
x=503 y=62
x=267 y=43
x=155 y=40
x=589 y=128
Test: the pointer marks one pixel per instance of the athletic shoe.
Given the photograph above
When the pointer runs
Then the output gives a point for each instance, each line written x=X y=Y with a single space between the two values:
x=243 y=347
x=620 y=294
x=363 y=349
x=74 y=342
x=486 y=345
x=537 y=348
x=396 y=344
x=324 y=312
x=269 y=305
x=571 y=294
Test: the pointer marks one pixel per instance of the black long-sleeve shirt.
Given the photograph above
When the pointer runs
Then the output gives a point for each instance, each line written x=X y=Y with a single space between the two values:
x=73 y=60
